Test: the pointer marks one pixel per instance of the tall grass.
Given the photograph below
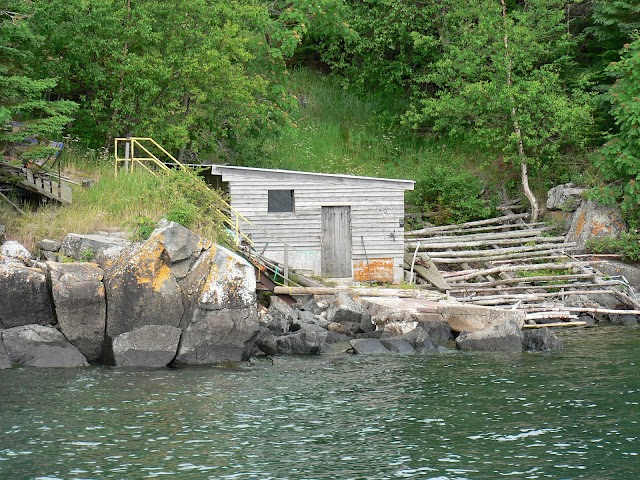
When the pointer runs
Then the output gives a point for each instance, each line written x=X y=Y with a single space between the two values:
x=119 y=203
x=339 y=132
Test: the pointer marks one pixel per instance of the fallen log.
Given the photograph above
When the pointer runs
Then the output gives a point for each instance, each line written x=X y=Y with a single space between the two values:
x=607 y=311
x=539 y=278
x=550 y=314
x=556 y=324
x=492 y=300
x=360 y=291
x=529 y=287
x=490 y=221
x=529 y=232
x=517 y=268
x=489 y=228
x=478 y=243
x=495 y=259
x=501 y=251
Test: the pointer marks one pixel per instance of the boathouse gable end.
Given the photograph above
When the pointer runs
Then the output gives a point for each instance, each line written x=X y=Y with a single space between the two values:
x=322 y=217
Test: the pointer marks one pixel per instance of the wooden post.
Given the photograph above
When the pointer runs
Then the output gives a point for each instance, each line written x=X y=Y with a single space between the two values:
x=286 y=264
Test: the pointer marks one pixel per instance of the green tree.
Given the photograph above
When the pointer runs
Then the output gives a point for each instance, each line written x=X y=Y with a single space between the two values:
x=25 y=109
x=185 y=72
x=619 y=159
x=498 y=82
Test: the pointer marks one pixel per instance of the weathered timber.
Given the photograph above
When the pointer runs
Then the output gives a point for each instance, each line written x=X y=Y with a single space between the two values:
x=539 y=278
x=490 y=221
x=556 y=324
x=478 y=243
x=490 y=228
x=517 y=268
x=551 y=314
x=365 y=292
x=523 y=233
x=426 y=269
x=569 y=246
x=497 y=290
x=495 y=259
x=492 y=300
x=608 y=311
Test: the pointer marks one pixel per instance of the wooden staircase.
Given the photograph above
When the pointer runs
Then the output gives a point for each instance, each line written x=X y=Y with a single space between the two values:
x=38 y=181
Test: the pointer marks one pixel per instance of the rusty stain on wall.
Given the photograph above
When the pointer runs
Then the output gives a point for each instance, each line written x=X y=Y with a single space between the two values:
x=376 y=270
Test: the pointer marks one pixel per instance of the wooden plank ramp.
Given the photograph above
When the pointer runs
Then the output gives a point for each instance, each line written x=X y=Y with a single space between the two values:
x=507 y=263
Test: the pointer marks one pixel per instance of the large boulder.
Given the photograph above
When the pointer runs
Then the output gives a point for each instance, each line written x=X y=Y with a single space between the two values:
x=504 y=337
x=24 y=296
x=41 y=346
x=79 y=299
x=15 y=252
x=593 y=220
x=625 y=272
x=420 y=339
x=566 y=197
x=142 y=290
x=148 y=346
x=541 y=340
x=182 y=246
x=366 y=346
x=349 y=312
x=397 y=345
x=5 y=361
x=309 y=340
x=216 y=336
x=472 y=318
x=220 y=321
x=279 y=317
x=85 y=247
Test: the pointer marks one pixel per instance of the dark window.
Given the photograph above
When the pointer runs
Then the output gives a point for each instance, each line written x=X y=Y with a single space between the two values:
x=280 y=201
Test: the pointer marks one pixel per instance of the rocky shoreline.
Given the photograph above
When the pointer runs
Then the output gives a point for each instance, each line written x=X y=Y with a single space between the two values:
x=177 y=299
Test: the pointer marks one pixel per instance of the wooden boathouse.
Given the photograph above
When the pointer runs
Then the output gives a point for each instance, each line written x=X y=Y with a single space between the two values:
x=333 y=226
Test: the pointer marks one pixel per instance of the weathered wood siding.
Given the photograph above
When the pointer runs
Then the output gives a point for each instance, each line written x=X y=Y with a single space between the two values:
x=377 y=212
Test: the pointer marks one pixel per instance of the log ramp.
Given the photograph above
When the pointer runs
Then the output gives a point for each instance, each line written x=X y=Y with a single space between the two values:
x=507 y=263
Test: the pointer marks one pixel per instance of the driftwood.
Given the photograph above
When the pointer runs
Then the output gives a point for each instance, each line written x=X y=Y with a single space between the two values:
x=478 y=243
x=488 y=253
x=530 y=287
x=606 y=311
x=517 y=268
x=539 y=278
x=490 y=221
x=364 y=292
x=550 y=314
x=556 y=324
x=482 y=229
x=531 y=232
x=507 y=258
x=501 y=299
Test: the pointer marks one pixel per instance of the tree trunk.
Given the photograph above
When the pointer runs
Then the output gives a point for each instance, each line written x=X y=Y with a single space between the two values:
x=524 y=173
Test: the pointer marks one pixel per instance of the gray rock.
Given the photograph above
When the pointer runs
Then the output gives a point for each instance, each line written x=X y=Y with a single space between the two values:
x=397 y=345
x=90 y=247
x=541 y=340
x=365 y=346
x=438 y=330
x=5 y=361
x=280 y=316
x=305 y=317
x=40 y=346
x=346 y=310
x=419 y=339
x=141 y=290
x=179 y=242
x=565 y=197
x=15 y=251
x=309 y=340
x=624 y=319
x=148 y=346
x=335 y=337
x=504 y=337
x=24 y=296
x=620 y=270
x=220 y=279
x=266 y=341
x=48 y=245
x=593 y=220
x=79 y=299
x=216 y=336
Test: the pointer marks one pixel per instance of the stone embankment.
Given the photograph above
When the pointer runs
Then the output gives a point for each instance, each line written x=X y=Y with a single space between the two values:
x=178 y=299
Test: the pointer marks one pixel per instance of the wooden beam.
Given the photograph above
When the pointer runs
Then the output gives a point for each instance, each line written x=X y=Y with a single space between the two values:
x=507 y=241
x=490 y=221
x=360 y=291
x=556 y=324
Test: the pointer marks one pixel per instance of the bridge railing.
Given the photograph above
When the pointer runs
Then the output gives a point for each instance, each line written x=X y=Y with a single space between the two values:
x=132 y=152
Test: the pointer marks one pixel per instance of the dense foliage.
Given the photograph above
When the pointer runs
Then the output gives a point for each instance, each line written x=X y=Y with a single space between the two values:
x=535 y=86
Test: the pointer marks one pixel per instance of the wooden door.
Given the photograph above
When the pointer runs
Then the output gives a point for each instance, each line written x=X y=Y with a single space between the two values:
x=336 y=242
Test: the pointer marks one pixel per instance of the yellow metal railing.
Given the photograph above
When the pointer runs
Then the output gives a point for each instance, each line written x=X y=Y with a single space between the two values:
x=232 y=219
x=136 y=151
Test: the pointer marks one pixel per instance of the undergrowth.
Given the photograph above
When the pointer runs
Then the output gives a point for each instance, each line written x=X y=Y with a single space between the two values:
x=130 y=202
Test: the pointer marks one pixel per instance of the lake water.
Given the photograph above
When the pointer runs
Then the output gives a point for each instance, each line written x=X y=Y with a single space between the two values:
x=570 y=414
